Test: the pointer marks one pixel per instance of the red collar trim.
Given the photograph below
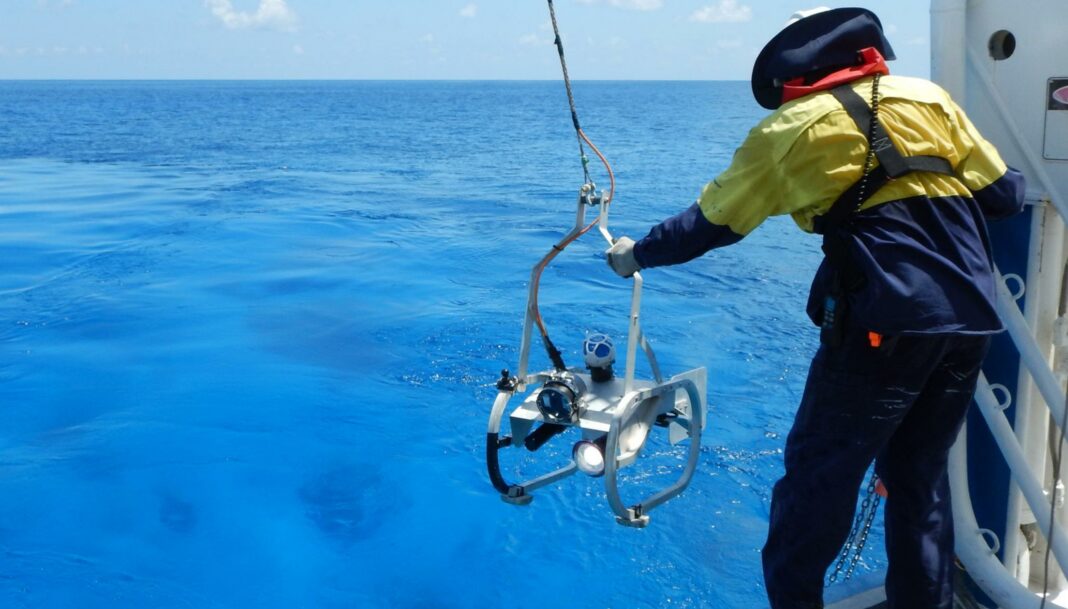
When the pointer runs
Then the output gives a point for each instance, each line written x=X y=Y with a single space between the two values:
x=871 y=62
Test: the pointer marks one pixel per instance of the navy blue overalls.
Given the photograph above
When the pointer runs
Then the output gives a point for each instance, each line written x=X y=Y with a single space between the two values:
x=899 y=401
x=901 y=404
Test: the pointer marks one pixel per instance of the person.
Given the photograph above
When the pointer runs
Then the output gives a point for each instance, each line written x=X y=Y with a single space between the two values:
x=905 y=296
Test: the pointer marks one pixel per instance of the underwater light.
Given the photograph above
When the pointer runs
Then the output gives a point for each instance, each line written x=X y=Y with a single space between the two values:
x=589 y=456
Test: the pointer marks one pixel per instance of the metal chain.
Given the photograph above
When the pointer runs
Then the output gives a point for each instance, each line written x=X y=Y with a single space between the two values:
x=858 y=536
x=869 y=161
x=874 y=500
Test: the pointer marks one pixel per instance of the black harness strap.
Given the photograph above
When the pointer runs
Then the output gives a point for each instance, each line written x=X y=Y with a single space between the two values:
x=895 y=164
x=892 y=164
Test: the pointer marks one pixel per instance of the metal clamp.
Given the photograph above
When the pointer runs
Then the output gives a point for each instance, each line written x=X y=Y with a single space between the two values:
x=991 y=539
x=1021 y=285
x=1003 y=396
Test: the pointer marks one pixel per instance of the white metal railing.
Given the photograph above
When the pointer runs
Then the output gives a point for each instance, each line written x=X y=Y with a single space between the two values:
x=1031 y=356
x=1030 y=485
x=973 y=548
x=1031 y=425
x=955 y=63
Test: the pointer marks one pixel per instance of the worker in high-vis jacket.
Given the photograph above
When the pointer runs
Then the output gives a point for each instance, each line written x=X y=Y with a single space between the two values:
x=900 y=184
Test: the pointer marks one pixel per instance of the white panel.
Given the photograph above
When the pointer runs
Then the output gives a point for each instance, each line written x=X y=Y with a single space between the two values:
x=1022 y=82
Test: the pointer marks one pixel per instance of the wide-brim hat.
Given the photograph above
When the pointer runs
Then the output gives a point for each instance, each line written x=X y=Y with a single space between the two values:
x=825 y=40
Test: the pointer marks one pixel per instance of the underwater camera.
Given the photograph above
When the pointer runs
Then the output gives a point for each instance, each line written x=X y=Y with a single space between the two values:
x=615 y=415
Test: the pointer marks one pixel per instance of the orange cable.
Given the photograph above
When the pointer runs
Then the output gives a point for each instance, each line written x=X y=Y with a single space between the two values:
x=559 y=247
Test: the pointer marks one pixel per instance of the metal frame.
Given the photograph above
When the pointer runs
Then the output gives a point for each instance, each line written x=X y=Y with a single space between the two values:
x=623 y=413
x=637 y=515
x=635 y=337
x=626 y=412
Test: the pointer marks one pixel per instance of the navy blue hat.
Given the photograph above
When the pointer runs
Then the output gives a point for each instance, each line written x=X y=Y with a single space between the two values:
x=830 y=39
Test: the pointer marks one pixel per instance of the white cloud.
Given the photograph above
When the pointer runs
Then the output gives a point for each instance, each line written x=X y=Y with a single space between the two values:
x=432 y=45
x=270 y=14
x=727 y=11
x=469 y=11
x=532 y=40
x=53 y=51
x=637 y=5
x=611 y=42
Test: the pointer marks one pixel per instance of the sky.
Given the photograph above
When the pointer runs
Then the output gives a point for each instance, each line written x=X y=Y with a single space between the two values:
x=412 y=39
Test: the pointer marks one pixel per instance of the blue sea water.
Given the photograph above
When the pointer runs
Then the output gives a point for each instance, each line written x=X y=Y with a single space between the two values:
x=249 y=333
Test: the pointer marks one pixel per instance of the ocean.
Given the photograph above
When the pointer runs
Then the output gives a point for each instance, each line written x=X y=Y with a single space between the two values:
x=249 y=335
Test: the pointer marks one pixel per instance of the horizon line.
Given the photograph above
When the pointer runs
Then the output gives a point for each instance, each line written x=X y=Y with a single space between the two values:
x=4 y=79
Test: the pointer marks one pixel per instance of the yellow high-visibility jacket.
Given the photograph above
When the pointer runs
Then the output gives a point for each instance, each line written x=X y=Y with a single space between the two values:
x=921 y=240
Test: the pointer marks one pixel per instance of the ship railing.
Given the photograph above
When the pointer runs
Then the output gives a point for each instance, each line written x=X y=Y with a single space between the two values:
x=1039 y=333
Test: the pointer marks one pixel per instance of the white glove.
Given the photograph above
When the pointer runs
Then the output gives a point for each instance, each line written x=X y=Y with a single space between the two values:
x=621 y=257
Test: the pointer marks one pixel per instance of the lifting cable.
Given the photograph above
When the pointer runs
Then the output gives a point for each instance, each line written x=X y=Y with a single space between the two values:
x=583 y=141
